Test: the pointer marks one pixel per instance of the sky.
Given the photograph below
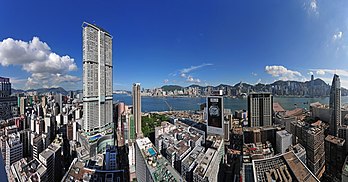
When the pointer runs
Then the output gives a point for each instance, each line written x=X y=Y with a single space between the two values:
x=179 y=42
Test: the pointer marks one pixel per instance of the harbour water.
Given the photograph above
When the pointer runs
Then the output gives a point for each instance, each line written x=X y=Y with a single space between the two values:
x=149 y=104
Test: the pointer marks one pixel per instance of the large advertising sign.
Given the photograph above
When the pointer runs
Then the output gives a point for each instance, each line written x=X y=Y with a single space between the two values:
x=215 y=114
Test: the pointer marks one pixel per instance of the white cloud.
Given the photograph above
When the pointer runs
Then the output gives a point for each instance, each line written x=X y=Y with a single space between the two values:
x=254 y=74
x=283 y=73
x=188 y=70
x=310 y=73
x=184 y=73
x=327 y=74
x=165 y=81
x=320 y=72
x=15 y=80
x=258 y=81
x=337 y=36
x=339 y=72
x=311 y=6
x=48 y=80
x=36 y=57
x=193 y=80
x=314 y=5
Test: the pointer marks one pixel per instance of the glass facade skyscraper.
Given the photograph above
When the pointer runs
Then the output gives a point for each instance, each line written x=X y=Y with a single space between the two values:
x=335 y=105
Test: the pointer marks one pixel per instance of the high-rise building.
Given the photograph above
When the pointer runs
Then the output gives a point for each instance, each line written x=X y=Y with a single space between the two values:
x=14 y=150
x=312 y=138
x=334 y=157
x=8 y=104
x=97 y=77
x=36 y=145
x=137 y=109
x=283 y=141
x=46 y=157
x=59 y=100
x=260 y=109
x=111 y=158
x=335 y=105
x=5 y=87
x=343 y=133
x=22 y=105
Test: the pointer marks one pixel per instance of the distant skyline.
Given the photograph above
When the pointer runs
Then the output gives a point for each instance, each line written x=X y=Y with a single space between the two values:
x=176 y=42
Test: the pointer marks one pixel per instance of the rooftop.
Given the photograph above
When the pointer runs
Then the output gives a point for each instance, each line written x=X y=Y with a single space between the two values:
x=158 y=166
x=32 y=170
x=46 y=153
x=335 y=140
x=95 y=26
x=287 y=165
x=3 y=79
x=78 y=172
x=283 y=133
x=277 y=107
x=202 y=167
x=195 y=155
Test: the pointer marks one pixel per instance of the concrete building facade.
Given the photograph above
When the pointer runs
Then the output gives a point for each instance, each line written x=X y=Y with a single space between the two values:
x=97 y=77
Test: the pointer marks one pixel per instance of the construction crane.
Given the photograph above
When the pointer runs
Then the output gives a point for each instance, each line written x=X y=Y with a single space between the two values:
x=170 y=107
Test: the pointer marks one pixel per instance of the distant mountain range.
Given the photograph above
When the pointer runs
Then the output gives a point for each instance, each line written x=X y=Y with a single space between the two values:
x=58 y=90
x=315 y=88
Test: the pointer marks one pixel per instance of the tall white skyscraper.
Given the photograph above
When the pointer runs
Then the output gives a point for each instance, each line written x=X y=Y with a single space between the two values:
x=335 y=105
x=97 y=77
x=137 y=109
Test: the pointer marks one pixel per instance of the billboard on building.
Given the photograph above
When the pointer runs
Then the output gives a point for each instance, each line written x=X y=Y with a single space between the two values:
x=215 y=115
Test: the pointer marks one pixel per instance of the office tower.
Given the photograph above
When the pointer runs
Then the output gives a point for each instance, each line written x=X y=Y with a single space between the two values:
x=260 y=107
x=343 y=133
x=335 y=105
x=111 y=158
x=50 y=126
x=22 y=105
x=8 y=104
x=334 y=157
x=56 y=148
x=121 y=119
x=5 y=87
x=14 y=150
x=59 y=100
x=283 y=141
x=43 y=101
x=46 y=157
x=37 y=145
x=25 y=140
x=227 y=131
x=137 y=109
x=312 y=139
x=97 y=78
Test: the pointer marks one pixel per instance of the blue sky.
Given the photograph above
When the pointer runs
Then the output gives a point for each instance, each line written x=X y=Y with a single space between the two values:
x=176 y=42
